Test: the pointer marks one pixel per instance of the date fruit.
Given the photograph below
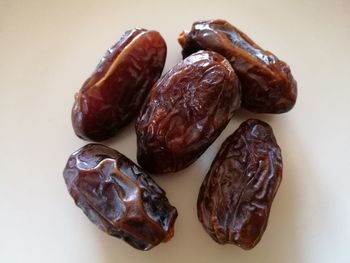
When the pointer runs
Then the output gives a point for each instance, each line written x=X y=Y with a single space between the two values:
x=112 y=96
x=119 y=197
x=185 y=111
x=236 y=195
x=267 y=82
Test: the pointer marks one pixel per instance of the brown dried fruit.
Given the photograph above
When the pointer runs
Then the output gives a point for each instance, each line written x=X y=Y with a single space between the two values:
x=267 y=82
x=119 y=197
x=236 y=195
x=185 y=111
x=111 y=97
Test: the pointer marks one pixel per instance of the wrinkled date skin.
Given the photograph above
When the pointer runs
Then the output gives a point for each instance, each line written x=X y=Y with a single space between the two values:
x=185 y=111
x=112 y=96
x=236 y=195
x=267 y=82
x=119 y=197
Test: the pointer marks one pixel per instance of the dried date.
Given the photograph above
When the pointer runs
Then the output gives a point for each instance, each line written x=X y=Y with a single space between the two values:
x=114 y=93
x=236 y=195
x=119 y=197
x=185 y=111
x=267 y=82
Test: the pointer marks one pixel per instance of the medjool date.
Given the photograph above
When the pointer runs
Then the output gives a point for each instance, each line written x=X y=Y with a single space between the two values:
x=119 y=197
x=111 y=97
x=185 y=111
x=235 y=198
x=267 y=82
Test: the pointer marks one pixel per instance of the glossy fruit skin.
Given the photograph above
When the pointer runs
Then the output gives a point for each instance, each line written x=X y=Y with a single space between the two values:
x=119 y=197
x=185 y=111
x=114 y=93
x=267 y=82
x=236 y=195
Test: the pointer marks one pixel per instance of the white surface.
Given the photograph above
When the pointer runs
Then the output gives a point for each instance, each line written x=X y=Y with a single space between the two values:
x=48 y=49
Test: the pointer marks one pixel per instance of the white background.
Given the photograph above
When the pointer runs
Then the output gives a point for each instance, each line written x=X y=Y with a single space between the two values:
x=48 y=49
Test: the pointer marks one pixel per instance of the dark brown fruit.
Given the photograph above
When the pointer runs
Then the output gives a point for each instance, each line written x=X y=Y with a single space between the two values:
x=267 y=82
x=236 y=195
x=119 y=197
x=114 y=93
x=185 y=111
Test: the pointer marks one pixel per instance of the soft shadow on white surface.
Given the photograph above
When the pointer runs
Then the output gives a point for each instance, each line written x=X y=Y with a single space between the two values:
x=280 y=242
x=124 y=141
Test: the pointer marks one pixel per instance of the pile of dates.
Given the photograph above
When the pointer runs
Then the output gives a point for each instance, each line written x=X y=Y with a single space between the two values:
x=178 y=116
